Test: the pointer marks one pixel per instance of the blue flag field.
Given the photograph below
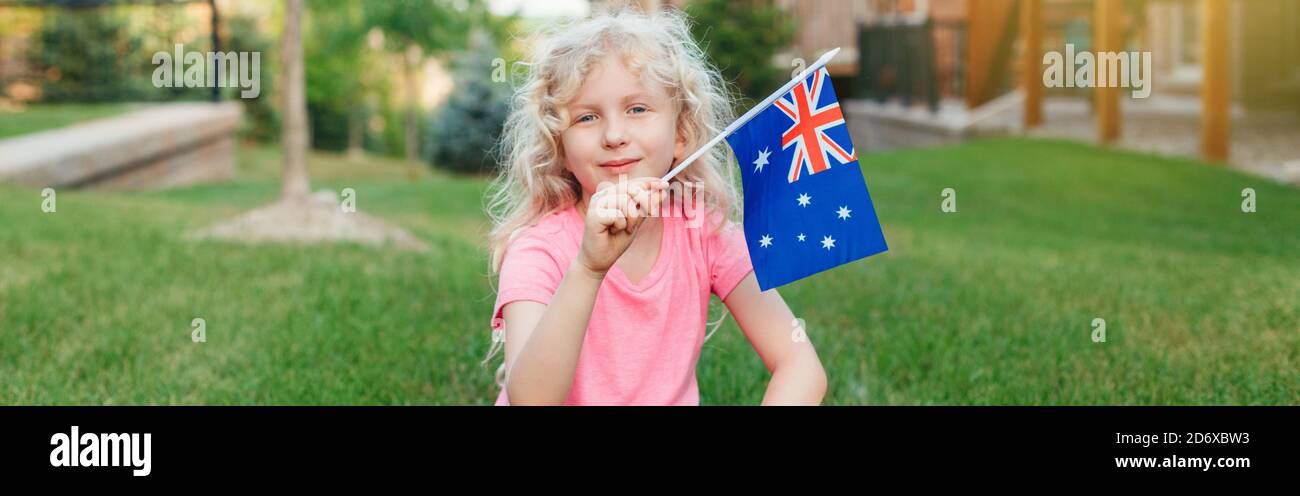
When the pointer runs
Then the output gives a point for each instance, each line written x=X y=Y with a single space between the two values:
x=807 y=208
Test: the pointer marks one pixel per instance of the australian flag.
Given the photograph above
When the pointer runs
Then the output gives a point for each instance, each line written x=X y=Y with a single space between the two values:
x=806 y=204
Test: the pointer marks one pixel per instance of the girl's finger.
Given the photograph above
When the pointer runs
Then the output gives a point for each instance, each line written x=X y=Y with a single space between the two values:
x=615 y=204
x=634 y=224
x=640 y=204
x=609 y=217
x=600 y=207
x=632 y=205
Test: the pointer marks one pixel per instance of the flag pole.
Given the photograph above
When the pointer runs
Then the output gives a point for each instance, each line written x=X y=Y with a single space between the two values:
x=826 y=57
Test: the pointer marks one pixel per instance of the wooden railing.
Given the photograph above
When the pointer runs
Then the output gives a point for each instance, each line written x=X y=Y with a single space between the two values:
x=911 y=61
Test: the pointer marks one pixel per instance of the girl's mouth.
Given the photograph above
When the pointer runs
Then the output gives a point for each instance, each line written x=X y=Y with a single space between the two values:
x=621 y=165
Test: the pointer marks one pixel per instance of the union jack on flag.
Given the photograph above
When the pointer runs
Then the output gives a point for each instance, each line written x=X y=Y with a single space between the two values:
x=816 y=215
x=808 y=131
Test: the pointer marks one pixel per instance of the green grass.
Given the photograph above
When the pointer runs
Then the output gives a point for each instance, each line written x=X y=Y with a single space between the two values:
x=992 y=304
x=47 y=116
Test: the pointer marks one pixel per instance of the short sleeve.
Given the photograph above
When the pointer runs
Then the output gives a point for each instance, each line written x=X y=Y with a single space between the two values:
x=530 y=271
x=728 y=259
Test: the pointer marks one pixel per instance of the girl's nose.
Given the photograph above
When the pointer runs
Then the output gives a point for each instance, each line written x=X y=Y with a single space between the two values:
x=614 y=134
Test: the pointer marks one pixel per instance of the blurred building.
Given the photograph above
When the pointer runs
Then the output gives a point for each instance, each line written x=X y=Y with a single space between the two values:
x=1225 y=74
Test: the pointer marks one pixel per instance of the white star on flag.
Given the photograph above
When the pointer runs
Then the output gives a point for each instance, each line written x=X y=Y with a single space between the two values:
x=843 y=212
x=765 y=241
x=801 y=237
x=761 y=160
x=828 y=242
x=804 y=199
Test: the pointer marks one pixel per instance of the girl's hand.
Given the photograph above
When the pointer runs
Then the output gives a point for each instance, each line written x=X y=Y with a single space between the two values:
x=613 y=218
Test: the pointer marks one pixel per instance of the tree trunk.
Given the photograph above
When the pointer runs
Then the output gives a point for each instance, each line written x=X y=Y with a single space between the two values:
x=295 y=184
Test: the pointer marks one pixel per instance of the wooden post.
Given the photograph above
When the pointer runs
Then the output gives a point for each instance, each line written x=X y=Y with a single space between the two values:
x=1215 y=111
x=987 y=23
x=1106 y=34
x=1031 y=27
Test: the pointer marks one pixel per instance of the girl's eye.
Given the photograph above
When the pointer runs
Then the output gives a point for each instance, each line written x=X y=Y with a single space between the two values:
x=638 y=109
x=586 y=118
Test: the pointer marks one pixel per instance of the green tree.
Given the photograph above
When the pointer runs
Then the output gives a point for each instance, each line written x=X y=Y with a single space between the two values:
x=464 y=131
x=340 y=72
x=83 y=54
x=241 y=34
x=415 y=29
x=740 y=38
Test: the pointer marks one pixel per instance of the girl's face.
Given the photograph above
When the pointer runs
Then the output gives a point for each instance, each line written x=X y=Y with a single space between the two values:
x=617 y=125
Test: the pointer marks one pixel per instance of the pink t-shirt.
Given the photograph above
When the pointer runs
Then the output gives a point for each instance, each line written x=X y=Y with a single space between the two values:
x=643 y=340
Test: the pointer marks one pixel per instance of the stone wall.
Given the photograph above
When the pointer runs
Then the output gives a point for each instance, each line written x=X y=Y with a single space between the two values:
x=157 y=147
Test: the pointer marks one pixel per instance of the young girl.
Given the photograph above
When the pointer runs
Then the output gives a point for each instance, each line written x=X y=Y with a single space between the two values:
x=603 y=297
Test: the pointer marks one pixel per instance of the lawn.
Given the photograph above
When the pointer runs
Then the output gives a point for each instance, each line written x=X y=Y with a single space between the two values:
x=992 y=304
x=55 y=115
